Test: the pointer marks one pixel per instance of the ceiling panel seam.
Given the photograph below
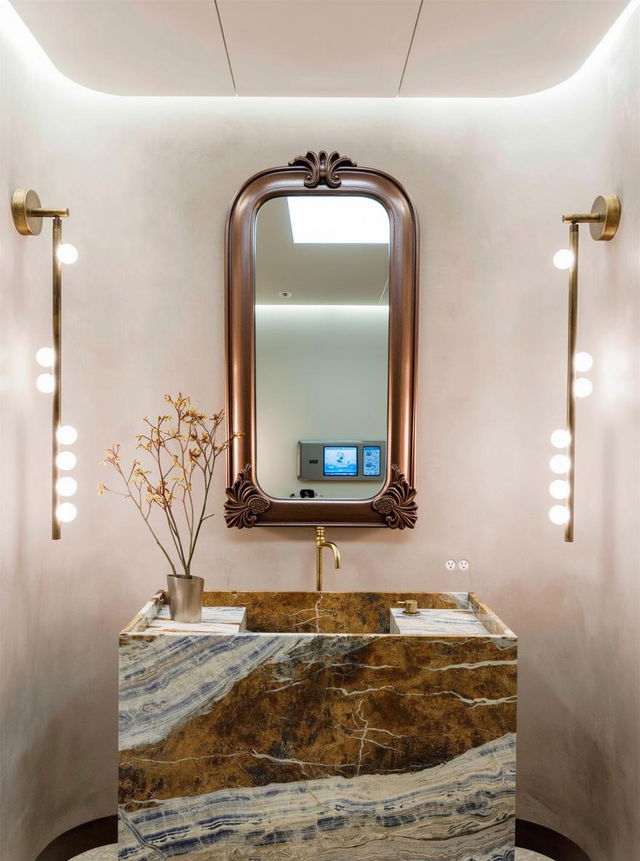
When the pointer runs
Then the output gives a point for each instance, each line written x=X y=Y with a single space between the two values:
x=413 y=34
x=226 y=49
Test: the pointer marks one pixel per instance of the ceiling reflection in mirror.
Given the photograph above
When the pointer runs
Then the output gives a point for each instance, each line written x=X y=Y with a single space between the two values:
x=321 y=346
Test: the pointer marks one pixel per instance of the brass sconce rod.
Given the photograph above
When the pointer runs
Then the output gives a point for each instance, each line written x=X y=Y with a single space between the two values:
x=603 y=219
x=589 y=218
x=27 y=217
x=49 y=213
x=574 y=235
x=56 y=340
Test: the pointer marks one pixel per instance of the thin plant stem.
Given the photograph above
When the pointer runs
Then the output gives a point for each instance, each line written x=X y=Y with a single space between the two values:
x=188 y=447
x=146 y=519
x=173 y=527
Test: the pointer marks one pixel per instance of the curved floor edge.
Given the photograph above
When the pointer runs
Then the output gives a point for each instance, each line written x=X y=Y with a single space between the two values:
x=89 y=835
x=538 y=838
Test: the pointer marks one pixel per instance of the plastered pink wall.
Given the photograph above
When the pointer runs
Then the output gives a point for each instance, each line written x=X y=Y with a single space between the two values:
x=148 y=183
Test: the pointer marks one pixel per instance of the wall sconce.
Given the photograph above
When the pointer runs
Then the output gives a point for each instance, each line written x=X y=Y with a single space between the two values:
x=27 y=215
x=603 y=221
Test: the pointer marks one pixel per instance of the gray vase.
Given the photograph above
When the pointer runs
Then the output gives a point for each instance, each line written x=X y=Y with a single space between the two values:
x=185 y=598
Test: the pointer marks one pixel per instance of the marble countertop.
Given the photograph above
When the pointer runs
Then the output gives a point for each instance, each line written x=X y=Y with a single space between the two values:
x=429 y=622
x=447 y=614
x=215 y=620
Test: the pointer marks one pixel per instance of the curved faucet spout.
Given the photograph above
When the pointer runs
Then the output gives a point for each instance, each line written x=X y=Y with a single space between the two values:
x=320 y=545
x=336 y=552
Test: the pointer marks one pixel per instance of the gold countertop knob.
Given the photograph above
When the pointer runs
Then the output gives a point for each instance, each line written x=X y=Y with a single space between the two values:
x=410 y=607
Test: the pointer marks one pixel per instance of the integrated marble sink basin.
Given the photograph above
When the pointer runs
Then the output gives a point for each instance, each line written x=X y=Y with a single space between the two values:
x=295 y=725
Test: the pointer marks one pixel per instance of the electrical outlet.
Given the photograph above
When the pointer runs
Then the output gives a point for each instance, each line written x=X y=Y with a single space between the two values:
x=450 y=564
x=463 y=564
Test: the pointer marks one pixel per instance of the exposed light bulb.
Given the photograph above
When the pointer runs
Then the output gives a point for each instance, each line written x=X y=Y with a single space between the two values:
x=65 y=460
x=66 y=434
x=559 y=463
x=559 y=489
x=45 y=357
x=45 y=383
x=583 y=362
x=66 y=512
x=67 y=253
x=582 y=387
x=560 y=438
x=559 y=514
x=66 y=486
x=563 y=258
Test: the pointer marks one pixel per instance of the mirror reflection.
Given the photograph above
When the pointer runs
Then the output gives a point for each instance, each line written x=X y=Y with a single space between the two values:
x=321 y=346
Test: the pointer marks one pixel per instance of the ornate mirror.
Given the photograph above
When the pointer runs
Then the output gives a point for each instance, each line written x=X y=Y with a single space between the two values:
x=321 y=273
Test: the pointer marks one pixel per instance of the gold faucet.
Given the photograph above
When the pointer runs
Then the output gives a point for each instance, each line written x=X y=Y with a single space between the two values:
x=320 y=545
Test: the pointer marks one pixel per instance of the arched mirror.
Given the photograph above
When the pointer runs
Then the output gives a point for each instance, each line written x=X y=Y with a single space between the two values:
x=321 y=347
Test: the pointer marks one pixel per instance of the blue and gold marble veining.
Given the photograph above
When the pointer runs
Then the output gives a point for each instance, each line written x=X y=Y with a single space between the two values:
x=415 y=815
x=322 y=746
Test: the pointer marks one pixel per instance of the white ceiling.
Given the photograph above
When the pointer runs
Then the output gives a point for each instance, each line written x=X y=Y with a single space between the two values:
x=378 y=48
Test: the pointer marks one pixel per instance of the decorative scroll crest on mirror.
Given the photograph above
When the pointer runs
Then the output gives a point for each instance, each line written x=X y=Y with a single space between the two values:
x=245 y=501
x=322 y=168
x=248 y=504
x=398 y=502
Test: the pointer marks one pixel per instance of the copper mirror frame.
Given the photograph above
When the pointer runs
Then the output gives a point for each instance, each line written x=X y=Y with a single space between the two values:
x=394 y=506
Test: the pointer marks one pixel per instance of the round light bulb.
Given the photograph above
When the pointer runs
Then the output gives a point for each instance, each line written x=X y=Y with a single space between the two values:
x=559 y=489
x=66 y=512
x=66 y=434
x=563 y=259
x=559 y=463
x=559 y=514
x=583 y=361
x=45 y=383
x=45 y=357
x=67 y=253
x=65 y=460
x=66 y=486
x=560 y=438
x=582 y=387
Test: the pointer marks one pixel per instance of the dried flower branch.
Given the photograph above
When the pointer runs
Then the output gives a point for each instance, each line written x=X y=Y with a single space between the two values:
x=182 y=450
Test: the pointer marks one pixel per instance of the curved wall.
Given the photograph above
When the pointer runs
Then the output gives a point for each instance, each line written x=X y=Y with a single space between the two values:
x=148 y=182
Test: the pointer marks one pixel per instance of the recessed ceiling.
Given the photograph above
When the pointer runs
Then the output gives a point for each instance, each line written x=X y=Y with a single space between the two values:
x=302 y=48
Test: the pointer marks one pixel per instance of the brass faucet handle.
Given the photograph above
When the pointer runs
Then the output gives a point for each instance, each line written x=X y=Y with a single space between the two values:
x=410 y=607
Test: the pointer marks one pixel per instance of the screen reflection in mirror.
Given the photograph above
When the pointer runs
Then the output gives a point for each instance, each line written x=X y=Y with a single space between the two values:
x=321 y=306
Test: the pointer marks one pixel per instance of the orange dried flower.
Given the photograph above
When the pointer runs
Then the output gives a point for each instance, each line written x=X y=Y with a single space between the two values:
x=175 y=458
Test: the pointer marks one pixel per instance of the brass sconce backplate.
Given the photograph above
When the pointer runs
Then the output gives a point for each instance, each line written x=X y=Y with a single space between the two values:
x=22 y=204
x=28 y=213
x=607 y=207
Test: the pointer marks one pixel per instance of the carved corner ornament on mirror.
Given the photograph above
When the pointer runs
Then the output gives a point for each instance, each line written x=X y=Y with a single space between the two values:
x=321 y=274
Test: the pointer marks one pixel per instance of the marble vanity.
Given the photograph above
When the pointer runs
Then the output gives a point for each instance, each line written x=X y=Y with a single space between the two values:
x=293 y=725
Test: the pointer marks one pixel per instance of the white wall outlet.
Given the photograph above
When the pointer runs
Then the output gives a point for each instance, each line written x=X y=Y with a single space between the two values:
x=463 y=564
x=450 y=564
